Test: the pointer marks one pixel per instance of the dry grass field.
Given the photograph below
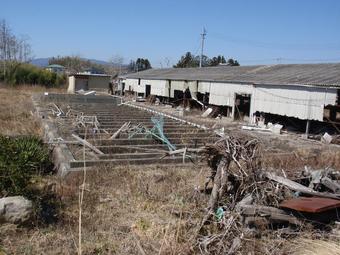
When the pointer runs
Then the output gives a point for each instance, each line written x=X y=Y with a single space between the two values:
x=131 y=209
x=16 y=110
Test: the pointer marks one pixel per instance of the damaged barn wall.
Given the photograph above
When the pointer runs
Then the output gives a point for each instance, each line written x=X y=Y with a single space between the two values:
x=158 y=87
x=302 y=102
x=140 y=88
x=224 y=93
x=293 y=101
x=176 y=85
x=131 y=84
x=204 y=87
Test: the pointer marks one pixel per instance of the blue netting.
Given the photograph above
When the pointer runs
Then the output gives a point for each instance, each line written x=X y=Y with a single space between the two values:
x=155 y=132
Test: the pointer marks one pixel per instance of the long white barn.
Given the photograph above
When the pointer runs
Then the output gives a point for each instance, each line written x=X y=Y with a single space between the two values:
x=304 y=91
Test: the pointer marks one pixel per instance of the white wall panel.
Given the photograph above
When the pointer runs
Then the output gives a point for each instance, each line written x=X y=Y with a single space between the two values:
x=204 y=87
x=293 y=101
x=224 y=93
x=176 y=85
x=132 y=83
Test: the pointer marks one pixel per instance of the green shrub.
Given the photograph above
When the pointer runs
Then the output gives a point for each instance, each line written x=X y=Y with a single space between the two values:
x=20 y=73
x=21 y=159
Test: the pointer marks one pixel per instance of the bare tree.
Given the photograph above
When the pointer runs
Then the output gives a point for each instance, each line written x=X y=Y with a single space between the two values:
x=12 y=47
x=116 y=62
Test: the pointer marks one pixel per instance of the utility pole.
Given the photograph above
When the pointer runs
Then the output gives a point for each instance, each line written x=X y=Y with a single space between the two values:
x=202 y=45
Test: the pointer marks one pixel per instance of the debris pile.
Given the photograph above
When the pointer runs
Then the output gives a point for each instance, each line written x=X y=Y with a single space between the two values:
x=326 y=138
x=248 y=201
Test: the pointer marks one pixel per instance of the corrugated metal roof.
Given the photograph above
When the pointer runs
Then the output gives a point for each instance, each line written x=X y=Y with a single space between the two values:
x=290 y=74
x=311 y=204
x=55 y=66
x=89 y=74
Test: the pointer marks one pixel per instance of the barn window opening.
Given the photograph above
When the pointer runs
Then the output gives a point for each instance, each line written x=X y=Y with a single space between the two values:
x=242 y=106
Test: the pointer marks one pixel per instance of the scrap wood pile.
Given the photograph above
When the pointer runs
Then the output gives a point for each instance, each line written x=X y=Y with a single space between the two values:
x=246 y=200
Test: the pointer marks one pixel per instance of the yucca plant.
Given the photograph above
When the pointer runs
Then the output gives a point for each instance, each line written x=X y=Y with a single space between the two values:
x=21 y=158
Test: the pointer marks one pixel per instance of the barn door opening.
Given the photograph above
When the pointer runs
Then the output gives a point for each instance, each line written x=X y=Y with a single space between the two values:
x=242 y=106
x=147 y=90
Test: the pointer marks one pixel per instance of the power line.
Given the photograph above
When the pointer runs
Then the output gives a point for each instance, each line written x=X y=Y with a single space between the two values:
x=285 y=60
x=273 y=45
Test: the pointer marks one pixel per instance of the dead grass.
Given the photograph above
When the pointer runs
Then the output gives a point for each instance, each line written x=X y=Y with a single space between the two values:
x=16 y=110
x=142 y=209
x=125 y=209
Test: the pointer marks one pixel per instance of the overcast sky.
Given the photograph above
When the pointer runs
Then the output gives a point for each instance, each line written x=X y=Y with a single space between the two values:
x=253 y=32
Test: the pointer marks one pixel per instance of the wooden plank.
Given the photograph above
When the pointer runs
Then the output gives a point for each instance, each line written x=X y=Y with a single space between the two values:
x=86 y=143
x=332 y=185
x=289 y=183
x=271 y=212
x=116 y=134
x=298 y=187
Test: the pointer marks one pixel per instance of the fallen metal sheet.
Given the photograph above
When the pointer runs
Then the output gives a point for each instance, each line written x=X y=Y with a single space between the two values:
x=311 y=204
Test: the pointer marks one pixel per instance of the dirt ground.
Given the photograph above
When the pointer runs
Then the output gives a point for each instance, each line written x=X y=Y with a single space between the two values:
x=144 y=209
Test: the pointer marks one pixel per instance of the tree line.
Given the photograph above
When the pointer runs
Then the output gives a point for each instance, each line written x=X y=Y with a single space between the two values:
x=191 y=60
x=140 y=64
x=23 y=73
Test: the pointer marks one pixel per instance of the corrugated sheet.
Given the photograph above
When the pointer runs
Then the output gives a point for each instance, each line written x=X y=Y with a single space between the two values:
x=293 y=74
x=311 y=204
x=131 y=84
x=159 y=87
x=295 y=101
x=224 y=94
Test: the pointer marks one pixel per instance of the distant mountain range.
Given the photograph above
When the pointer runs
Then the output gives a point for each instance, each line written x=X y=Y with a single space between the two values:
x=43 y=62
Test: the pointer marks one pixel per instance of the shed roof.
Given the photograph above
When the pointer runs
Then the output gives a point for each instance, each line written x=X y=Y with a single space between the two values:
x=86 y=75
x=55 y=66
x=289 y=74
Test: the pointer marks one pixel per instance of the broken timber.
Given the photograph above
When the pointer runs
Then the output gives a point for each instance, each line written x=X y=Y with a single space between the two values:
x=298 y=187
x=86 y=143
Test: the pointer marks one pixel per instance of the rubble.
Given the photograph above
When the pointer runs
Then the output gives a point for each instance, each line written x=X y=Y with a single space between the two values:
x=270 y=127
x=247 y=199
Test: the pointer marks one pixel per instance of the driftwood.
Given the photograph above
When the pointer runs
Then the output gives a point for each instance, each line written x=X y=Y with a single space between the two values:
x=86 y=143
x=330 y=184
x=298 y=187
x=183 y=151
x=271 y=213
x=289 y=183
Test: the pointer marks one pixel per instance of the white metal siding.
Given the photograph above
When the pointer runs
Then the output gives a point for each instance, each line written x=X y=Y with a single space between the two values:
x=158 y=87
x=293 y=101
x=204 y=87
x=224 y=93
x=140 y=88
x=176 y=85
x=131 y=83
